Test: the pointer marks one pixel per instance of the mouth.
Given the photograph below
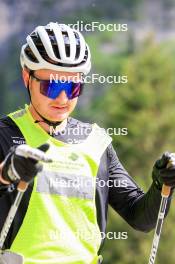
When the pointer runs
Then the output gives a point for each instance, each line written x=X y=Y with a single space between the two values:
x=61 y=109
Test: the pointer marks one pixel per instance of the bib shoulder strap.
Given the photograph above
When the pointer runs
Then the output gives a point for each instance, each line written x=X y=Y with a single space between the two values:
x=96 y=143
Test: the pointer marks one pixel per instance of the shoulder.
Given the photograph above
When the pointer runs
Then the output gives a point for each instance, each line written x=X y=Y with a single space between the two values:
x=78 y=129
x=75 y=123
x=10 y=134
x=72 y=122
x=5 y=122
x=7 y=125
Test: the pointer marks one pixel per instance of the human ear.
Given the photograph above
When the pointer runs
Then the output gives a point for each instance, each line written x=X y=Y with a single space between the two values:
x=25 y=75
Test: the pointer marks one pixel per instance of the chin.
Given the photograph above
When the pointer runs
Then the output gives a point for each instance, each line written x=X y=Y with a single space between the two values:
x=59 y=117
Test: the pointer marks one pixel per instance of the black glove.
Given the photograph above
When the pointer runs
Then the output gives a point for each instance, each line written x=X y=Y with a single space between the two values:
x=16 y=168
x=163 y=174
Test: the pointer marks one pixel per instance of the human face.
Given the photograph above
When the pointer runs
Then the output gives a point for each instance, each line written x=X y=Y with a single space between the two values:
x=57 y=109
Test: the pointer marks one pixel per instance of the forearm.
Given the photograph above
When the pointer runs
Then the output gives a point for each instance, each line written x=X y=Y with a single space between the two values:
x=144 y=210
x=4 y=185
x=2 y=181
x=139 y=209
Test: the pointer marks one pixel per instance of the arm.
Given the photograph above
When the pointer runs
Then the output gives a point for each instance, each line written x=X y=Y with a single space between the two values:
x=139 y=209
x=4 y=185
x=2 y=181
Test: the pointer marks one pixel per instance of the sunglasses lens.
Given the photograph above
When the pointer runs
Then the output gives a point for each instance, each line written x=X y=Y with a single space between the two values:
x=46 y=89
x=53 y=89
x=76 y=90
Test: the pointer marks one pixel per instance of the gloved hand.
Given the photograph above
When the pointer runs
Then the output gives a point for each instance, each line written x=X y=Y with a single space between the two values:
x=17 y=167
x=164 y=171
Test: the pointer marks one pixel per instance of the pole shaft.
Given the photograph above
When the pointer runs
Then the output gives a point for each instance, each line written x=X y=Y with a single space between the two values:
x=10 y=218
x=165 y=193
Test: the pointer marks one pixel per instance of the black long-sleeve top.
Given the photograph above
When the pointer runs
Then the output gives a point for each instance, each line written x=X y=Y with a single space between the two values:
x=139 y=209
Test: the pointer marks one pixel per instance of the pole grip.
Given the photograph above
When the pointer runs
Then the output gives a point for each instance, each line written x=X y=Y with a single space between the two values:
x=165 y=190
x=22 y=186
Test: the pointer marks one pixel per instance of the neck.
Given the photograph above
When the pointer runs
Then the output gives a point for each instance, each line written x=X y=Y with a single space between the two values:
x=43 y=124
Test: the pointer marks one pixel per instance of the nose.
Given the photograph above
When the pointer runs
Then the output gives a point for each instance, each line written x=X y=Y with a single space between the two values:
x=62 y=98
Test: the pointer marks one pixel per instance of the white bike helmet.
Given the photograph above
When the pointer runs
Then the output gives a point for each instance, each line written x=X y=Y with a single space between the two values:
x=56 y=47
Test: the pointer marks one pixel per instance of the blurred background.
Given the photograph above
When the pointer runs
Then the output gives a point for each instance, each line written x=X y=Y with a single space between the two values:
x=145 y=105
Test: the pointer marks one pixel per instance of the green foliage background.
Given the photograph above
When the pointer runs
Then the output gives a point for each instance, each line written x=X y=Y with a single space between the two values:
x=145 y=106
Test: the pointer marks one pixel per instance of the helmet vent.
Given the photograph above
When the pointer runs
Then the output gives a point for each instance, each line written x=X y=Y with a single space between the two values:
x=30 y=54
x=53 y=42
x=66 y=43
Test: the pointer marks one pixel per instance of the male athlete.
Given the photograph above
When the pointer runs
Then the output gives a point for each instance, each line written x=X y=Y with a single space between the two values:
x=64 y=210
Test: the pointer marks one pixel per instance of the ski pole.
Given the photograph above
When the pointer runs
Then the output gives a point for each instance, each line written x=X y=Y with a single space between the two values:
x=28 y=152
x=22 y=186
x=165 y=194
